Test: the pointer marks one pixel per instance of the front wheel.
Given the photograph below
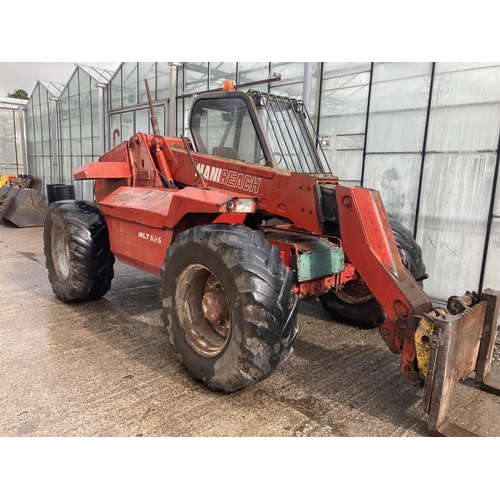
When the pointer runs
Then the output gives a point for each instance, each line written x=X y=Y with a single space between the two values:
x=77 y=253
x=228 y=305
x=354 y=304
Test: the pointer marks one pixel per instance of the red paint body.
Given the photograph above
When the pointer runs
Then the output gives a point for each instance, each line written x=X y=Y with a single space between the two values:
x=144 y=219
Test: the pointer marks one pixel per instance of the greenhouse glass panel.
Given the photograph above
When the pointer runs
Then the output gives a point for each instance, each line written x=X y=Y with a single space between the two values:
x=64 y=126
x=115 y=127
x=147 y=70
x=8 y=152
x=19 y=143
x=39 y=169
x=87 y=189
x=253 y=72
x=461 y=66
x=163 y=80
x=183 y=118
x=142 y=122
x=67 y=173
x=9 y=161
x=496 y=205
x=94 y=97
x=346 y=165
x=221 y=71
x=128 y=127
x=76 y=161
x=31 y=166
x=64 y=107
x=76 y=148
x=85 y=81
x=492 y=269
x=46 y=148
x=95 y=148
x=195 y=77
x=398 y=107
x=47 y=173
x=74 y=109
x=160 y=116
x=78 y=190
x=344 y=99
x=292 y=90
x=345 y=95
x=86 y=123
x=465 y=113
x=31 y=148
x=86 y=146
x=38 y=131
x=30 y=139
x=44 y=96
x=396 y=177
x=335 y=69
x=315 y=87
x=290 y=72
x=456 y=194
x=180 y=80
x=35 y=96
x=129 y=84
x=45 y=117
x=29 y=128
x=73 y=85
x=106 y=125
x=115 y=87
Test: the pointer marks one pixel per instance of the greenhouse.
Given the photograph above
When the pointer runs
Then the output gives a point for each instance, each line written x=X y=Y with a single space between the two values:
x=13 y=159
x=41 y=132
x=82 y=135
x=426 y=135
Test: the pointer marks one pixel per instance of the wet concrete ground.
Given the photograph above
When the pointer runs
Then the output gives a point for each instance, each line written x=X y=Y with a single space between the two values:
x=106 y=368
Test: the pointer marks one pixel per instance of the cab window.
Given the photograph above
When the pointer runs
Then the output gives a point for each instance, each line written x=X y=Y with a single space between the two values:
x=223 y=127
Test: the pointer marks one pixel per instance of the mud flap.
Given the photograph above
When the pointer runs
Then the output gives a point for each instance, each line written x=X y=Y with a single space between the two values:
x=22 y=206
x=461 y=344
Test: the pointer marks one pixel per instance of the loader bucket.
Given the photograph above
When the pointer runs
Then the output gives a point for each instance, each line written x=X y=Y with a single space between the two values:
x=21 y=206
x=3 y=191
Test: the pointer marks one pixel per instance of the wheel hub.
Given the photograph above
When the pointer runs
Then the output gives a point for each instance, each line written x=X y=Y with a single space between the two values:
x=60 y=251
x=203 y=310
x=354 y=293
x=214 y=305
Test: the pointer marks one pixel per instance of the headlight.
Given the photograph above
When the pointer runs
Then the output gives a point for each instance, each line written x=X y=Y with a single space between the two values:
x=245 y=205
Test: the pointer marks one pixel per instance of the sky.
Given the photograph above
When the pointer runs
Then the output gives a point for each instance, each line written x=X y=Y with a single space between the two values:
x=362 y=31
x=24 y=75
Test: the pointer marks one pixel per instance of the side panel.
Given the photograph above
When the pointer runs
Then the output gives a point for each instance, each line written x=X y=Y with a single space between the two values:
x=289 y=195
x=140 y=246
x=142 y=222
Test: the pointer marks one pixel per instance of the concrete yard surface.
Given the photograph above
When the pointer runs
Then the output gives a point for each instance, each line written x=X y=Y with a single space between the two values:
x=106 y=368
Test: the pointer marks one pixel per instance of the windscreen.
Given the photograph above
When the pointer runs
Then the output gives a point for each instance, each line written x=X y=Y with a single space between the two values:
x=223 y=127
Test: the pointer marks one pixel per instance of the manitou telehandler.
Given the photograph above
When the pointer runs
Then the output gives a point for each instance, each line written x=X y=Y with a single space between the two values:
x=241 y=222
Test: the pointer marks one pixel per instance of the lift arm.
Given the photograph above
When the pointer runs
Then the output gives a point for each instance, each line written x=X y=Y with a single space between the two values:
x=437 y=348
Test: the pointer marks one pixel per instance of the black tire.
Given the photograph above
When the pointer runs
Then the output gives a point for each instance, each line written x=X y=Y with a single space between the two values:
x=256 y=324
x=77 y=253
x=409 y=249
x=354 y=304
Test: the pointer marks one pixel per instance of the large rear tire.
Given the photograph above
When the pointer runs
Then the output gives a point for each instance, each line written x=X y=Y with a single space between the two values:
x=77 y=254
x=355 y=304
x=228 y=305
